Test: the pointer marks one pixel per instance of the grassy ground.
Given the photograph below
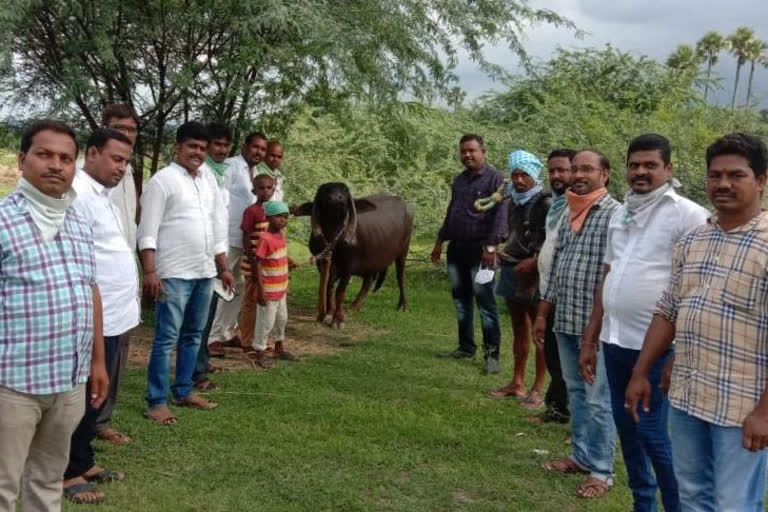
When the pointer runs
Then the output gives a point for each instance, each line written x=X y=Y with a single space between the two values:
x=381 y=424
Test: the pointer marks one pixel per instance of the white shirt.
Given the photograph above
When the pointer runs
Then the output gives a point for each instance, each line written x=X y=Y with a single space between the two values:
x=640 y=257
x=240 y=187
x=183 y=219
x=547 y=251
x=124 y=198
x=116 y=272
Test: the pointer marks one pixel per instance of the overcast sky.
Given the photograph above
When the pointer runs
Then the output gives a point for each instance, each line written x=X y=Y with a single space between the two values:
x=647 y=27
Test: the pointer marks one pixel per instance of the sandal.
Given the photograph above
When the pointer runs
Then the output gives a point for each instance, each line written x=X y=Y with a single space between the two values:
x=532 y=401
x=216 y=349
x=563 y=466
x=113 y=436
x=206 y=385
x=105 y=477
x=507 y=392
x=71 y=493
x=161 y=415
x=196 y=401
x=259 y=359
x=593 y=487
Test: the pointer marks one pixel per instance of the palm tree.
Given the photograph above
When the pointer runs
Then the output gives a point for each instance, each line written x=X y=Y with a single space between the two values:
x=755 y=54
x=739 y=43
x=683 y=59
x=709 y=47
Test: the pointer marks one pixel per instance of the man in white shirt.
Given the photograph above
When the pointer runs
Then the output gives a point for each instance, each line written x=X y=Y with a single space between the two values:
x=638 y=261
x=123 y=119
x=182 y=239
x=240 y=174
x=274 y=161
x=106 y=158
x=215 y=161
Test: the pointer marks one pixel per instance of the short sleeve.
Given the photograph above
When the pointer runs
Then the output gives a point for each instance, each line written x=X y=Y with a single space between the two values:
x=264 y=248
x=669 y=303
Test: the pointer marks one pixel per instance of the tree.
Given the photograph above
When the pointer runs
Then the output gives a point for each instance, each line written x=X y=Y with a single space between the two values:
x=233 y=60
x=709 y=47
x=755 y=54
x=684 y=59
x=739 y=43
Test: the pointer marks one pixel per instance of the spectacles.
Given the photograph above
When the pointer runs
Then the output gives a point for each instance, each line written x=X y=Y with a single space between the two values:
x=124 y=128
x=584 y=169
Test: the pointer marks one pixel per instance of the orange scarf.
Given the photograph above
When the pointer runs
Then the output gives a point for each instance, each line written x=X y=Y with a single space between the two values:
x=579 y=206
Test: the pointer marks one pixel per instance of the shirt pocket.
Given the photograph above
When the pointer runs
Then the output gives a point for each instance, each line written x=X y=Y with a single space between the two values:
x=740 y=291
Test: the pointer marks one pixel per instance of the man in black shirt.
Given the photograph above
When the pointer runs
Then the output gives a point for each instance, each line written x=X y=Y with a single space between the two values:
x=518 y=283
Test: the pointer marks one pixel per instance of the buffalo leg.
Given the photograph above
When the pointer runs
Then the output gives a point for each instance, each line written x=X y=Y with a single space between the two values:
x=331 y=300
x=402 y=304
x=341 y=290
x=322 y=293
x=362 y=294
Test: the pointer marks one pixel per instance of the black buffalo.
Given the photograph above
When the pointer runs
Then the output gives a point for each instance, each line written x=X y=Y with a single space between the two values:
x=356 y=237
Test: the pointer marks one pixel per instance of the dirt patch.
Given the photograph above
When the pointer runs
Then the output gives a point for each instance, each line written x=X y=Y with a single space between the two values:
x=303 y=337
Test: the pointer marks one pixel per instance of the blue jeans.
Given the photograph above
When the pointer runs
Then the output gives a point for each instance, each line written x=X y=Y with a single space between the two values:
x=714 y=472
x=593 y=431
x=463 y=264
x=646 y=443
x=181 y=314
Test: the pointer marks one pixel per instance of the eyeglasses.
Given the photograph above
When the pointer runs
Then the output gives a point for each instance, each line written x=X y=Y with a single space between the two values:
x=124 y=128
x=584 y=169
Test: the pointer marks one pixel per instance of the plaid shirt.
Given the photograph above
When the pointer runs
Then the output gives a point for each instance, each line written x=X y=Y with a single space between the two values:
x=577 y=267
x=717 y=298
x=464 y=224
x=46 y=302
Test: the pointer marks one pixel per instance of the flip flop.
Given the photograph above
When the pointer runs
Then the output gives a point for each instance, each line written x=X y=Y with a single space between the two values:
x=105 y=477
x=165 y=422
x=72 y=491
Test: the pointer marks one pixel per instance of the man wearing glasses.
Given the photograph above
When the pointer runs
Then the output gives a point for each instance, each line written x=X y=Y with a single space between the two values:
x=576 y=272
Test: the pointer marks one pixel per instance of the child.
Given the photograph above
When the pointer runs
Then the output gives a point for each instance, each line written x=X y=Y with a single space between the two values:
x=271 y=280
x=253 y=225
x=274 y=160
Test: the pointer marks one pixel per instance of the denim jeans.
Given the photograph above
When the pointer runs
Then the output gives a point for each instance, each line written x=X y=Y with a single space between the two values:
x=593 y=431
x=714 y=472
x=463 y=264
x=181 y=314
x=203 y=357
x=646 y=443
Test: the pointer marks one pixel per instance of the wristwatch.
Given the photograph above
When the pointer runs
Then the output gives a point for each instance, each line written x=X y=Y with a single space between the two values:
x=490 y=249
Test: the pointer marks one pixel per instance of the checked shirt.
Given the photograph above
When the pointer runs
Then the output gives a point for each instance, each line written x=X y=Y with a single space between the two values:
x=717 y=298
x=46 y=302
x=577 y=267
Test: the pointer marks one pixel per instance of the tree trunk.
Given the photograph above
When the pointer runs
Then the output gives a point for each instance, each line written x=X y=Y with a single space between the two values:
x=749 y=83
x=709 y=73
x=736 y=85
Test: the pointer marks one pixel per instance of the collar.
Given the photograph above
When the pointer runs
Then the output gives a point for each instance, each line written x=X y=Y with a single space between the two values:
x=95 y=185
x=757 y=223
x=182 y=170
x=479 y=173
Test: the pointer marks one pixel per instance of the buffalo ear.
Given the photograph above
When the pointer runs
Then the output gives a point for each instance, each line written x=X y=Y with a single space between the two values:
x=303 y=209
x=364 y=205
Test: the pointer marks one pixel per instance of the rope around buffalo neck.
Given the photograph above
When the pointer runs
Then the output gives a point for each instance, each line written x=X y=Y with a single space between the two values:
x=327 y=252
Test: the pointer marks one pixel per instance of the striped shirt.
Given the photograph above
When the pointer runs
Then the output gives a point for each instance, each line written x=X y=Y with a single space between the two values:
x=717 y=297
x=577 y=266
x=273 y=256
x=46 y=301
x=255 y=223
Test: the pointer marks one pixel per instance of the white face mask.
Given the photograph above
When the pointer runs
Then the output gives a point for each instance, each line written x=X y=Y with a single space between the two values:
x=47 y=212
x=484 y=276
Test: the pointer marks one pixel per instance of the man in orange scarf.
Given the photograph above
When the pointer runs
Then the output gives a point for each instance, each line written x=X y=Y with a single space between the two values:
x=576 y=271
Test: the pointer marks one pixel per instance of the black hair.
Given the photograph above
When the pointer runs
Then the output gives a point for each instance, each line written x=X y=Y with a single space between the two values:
x=561 y=153
x=262 y=176
x=604 y=162
x=192 y=130
x=118 y=111
x=219 y=131
x=101 y=136
x=651 y=142
x=749 y=146
x=472 y=136
x=42 y=125
x=273 y=142
x=254 y=135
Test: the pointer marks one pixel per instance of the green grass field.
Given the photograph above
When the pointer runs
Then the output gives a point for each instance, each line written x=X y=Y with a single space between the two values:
x=381 y=424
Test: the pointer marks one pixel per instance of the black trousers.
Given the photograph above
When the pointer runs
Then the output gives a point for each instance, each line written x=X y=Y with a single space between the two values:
x=556 y=398
x=81 y=451
x=203 y=358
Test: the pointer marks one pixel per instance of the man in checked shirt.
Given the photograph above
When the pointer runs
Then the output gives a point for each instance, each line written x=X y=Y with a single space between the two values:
x=714 y=307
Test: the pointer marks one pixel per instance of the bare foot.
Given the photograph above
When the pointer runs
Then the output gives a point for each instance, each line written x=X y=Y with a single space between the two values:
x=113 y=436
x=196 y=401
x=509 y=391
